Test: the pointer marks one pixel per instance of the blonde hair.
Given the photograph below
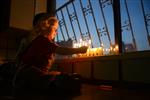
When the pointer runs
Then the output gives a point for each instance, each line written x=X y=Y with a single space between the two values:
x=44 y=26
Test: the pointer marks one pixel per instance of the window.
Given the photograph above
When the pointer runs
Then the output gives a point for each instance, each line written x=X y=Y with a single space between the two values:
x=84 y=20
x=135 y=21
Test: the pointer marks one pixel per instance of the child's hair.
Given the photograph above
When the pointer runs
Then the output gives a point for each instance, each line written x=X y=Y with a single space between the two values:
x=42 y=23
x=47 y=23
x=40 y=16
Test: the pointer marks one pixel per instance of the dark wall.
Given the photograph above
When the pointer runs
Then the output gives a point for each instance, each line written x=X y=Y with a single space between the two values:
x=51 y=7
x=10 y=37
x=5 y=14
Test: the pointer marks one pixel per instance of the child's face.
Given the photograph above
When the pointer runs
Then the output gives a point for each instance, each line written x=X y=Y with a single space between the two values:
x=53 y=31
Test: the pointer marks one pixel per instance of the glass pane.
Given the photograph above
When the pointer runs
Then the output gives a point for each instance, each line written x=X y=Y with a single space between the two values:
x=59 y=3
x=87 y=22
x=135 y=16
x=92 y=20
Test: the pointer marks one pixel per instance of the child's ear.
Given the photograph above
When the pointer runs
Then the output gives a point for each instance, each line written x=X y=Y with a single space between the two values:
x=47 y=23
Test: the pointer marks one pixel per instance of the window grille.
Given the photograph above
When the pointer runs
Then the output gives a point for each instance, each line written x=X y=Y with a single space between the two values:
x=92 y=21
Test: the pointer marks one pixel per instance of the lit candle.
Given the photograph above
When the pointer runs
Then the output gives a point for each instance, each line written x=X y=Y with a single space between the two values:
x=101 y=51
x=117 y=49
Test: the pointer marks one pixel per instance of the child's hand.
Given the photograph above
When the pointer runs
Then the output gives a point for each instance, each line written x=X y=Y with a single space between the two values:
x=83 y=49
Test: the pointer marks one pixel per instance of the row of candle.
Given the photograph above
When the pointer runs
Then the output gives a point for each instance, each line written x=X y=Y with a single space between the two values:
x=94 y=51
x=100 y=51
x=91 y=52
x=82 y=43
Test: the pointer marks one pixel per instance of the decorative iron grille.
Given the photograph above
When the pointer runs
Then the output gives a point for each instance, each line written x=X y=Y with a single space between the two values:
x=84 y=20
